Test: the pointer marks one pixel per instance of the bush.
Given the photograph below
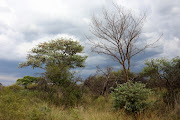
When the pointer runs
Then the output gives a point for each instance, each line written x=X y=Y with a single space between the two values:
x=131 y=96
x=17 y=103
x=12 y=104
x=71 y=95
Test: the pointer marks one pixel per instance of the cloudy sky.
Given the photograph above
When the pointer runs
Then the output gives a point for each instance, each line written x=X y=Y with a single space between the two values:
x=25 y=23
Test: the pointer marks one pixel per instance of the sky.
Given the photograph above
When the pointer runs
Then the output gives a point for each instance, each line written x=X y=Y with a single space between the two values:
x=26 y=23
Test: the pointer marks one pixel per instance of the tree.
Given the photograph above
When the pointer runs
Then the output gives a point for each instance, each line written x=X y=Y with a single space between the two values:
x=59 y=52
x=56 y=57
x=164 y=71
x=26 y=80
x=117 y=34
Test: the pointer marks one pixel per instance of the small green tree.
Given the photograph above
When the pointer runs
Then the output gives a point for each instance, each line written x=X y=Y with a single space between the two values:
x=131 y=96
x=57 y=57
x=26 y=80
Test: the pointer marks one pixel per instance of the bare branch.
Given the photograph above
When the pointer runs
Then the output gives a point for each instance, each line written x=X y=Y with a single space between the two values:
x=117 y=34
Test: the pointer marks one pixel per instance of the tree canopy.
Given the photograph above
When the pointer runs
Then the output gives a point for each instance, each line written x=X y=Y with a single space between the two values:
x=160 y=70
x=61 y=51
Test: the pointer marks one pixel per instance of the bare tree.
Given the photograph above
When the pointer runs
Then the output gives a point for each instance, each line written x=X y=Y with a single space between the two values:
x=117 y=34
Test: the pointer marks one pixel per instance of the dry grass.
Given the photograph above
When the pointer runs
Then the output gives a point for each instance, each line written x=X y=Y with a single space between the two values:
x=98 y=109
x=13 y=101
x=101 y=109
x=93 y=114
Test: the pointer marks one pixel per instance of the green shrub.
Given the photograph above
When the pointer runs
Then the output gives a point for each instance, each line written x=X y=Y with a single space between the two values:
x=131 y=96
x=12 y=104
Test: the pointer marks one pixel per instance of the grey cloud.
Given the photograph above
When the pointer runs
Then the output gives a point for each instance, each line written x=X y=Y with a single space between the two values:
x=25 y=22
x=7 y=79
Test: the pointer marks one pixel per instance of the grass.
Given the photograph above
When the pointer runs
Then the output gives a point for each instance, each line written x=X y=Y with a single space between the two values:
x=17 y=103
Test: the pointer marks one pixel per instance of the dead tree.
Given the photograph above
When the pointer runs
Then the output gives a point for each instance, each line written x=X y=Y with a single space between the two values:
x=117 y=34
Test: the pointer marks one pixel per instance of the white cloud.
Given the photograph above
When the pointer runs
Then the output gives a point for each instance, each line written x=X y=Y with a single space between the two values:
x=171 y=48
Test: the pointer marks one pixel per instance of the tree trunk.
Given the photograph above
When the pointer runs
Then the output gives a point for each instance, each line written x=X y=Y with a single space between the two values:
x=126 y=73
x=104 y=87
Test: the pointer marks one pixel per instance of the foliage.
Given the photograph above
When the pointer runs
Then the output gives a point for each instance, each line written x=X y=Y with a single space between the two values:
x=72 y=95
x=62 y=77
x=96 y=83
x=121 y=77
x=26 y=80
x=59 y=75
x=17 y=103
x=48 y=93
x=60 y=51
x=131 y=96
x=164 y=71
x=11 y=105
x=57 y=57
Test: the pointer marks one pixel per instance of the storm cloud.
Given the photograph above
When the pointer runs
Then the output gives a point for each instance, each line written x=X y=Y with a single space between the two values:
x=25 y=23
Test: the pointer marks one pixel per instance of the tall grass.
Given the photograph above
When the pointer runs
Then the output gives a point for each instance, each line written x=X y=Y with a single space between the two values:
x=17 y=103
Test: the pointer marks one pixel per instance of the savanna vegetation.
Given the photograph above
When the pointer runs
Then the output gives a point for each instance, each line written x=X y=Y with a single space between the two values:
x=142 y=98
x=152 y=94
